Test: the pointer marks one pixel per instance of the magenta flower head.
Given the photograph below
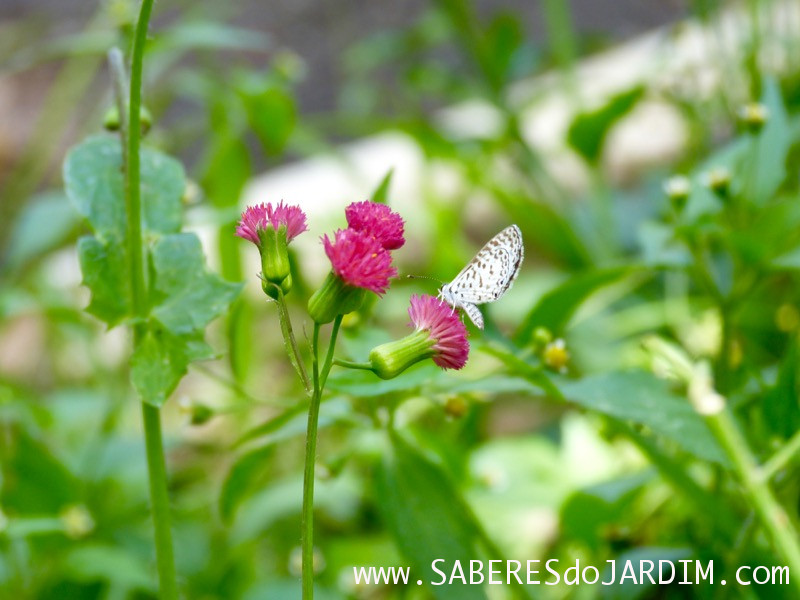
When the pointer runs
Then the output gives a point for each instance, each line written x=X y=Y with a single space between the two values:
x=271 y=228
x=379 y=221
x=359 y=264
x=439 y=334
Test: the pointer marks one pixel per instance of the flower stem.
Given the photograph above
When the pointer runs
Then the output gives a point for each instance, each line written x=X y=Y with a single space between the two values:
x=129 y=98
x=307 y=538
x=771 y=514
x=319 y=379
x=289 y=340
x=326 y=367
x=349 y=364
x=159 y=498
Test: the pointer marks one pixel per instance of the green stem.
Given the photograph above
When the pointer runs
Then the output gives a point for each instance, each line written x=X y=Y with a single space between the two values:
x=289 y=340
x=131 y=134
x=349 y=364
x=326 y=366
x=778 y=460
x=159 y=498
x=319 y=379
x=133 y=201
x=771 y=514
x=307 y=538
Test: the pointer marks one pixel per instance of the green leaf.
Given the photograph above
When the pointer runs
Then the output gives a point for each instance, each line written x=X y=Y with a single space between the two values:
x=555 y=308
x=241 y=480
x=428 y=518
x=764 y=169
x=191 y=296
x=93 y=179
x=381 y=193
x=588 y=131
x=105 y=563
x=105 y=273
x=640 y=397
x=160 y=361
x=45 y=223
x=272 y=113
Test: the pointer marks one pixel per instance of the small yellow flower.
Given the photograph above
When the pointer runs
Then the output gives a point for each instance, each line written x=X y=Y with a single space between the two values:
x=556 y=356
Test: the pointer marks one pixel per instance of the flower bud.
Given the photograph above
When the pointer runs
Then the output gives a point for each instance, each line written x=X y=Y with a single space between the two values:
x=556 y=356
x=333 y=298
x=677 y=189
x=754 y=116
x=718 y=181
x=274 y=251
x=390 y=359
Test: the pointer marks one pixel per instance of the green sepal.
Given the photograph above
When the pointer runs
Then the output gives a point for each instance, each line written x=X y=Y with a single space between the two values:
x=334 y=298
x=274 y=254
x=390 y=359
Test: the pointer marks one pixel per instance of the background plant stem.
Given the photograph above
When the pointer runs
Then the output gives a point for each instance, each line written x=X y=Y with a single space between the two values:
x=771 y=514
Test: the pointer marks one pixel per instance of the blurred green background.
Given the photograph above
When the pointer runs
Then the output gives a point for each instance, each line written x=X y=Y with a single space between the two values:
x=563 y=117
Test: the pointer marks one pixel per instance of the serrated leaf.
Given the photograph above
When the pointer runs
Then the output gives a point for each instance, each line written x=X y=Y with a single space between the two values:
x=191 y=296
x=427 y=517
x=160 y=361
x=554 y=309
x=105 y=273
x=94 y=181
x=640 y=397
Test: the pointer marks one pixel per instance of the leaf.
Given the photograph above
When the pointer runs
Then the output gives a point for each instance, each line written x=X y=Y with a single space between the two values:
x=160 y=361
x=428 y=518
x=640 y=397
x=555 y=308
x=93 y=179
x=105 y=273
x=588 y=130
x=381 y=193
x=241 y=480
x=765 y=170
x=46 y=222
x=191 y=296
x=105 y=563
x=210 y=35
x=272 y=113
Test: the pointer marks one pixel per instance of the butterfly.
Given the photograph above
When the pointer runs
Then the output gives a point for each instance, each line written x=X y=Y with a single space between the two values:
x=487 y=276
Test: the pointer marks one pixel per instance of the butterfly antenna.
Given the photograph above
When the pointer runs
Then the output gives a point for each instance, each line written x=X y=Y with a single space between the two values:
x=425 y=277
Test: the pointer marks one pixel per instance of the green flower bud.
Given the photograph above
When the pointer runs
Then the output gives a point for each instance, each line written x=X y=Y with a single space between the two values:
x=718 y=181
x=754 y=116
x=390 y=359
x=334 y=298
x=677 y=189
x=112 y=122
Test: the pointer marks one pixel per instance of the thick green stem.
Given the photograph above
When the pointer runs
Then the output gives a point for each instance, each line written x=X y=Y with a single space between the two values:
x=289 y=340
x=769 y=511
x=131 y=134
x=159 y=498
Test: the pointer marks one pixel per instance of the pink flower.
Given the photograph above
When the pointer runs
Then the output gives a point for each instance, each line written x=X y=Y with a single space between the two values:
x=378 y=220
x=262 y=215
x=444 y=326
x=359 y=260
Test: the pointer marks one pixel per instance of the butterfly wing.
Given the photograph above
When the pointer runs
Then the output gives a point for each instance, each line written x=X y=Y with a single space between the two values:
x=490 y=274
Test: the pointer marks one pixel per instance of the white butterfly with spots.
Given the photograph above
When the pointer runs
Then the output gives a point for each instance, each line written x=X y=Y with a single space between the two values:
x=487 y=276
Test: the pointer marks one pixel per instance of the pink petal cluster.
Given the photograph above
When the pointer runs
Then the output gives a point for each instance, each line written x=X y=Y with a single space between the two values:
x=379 y=221
x=443 y=324
x=261 y=216
x=359 y=260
